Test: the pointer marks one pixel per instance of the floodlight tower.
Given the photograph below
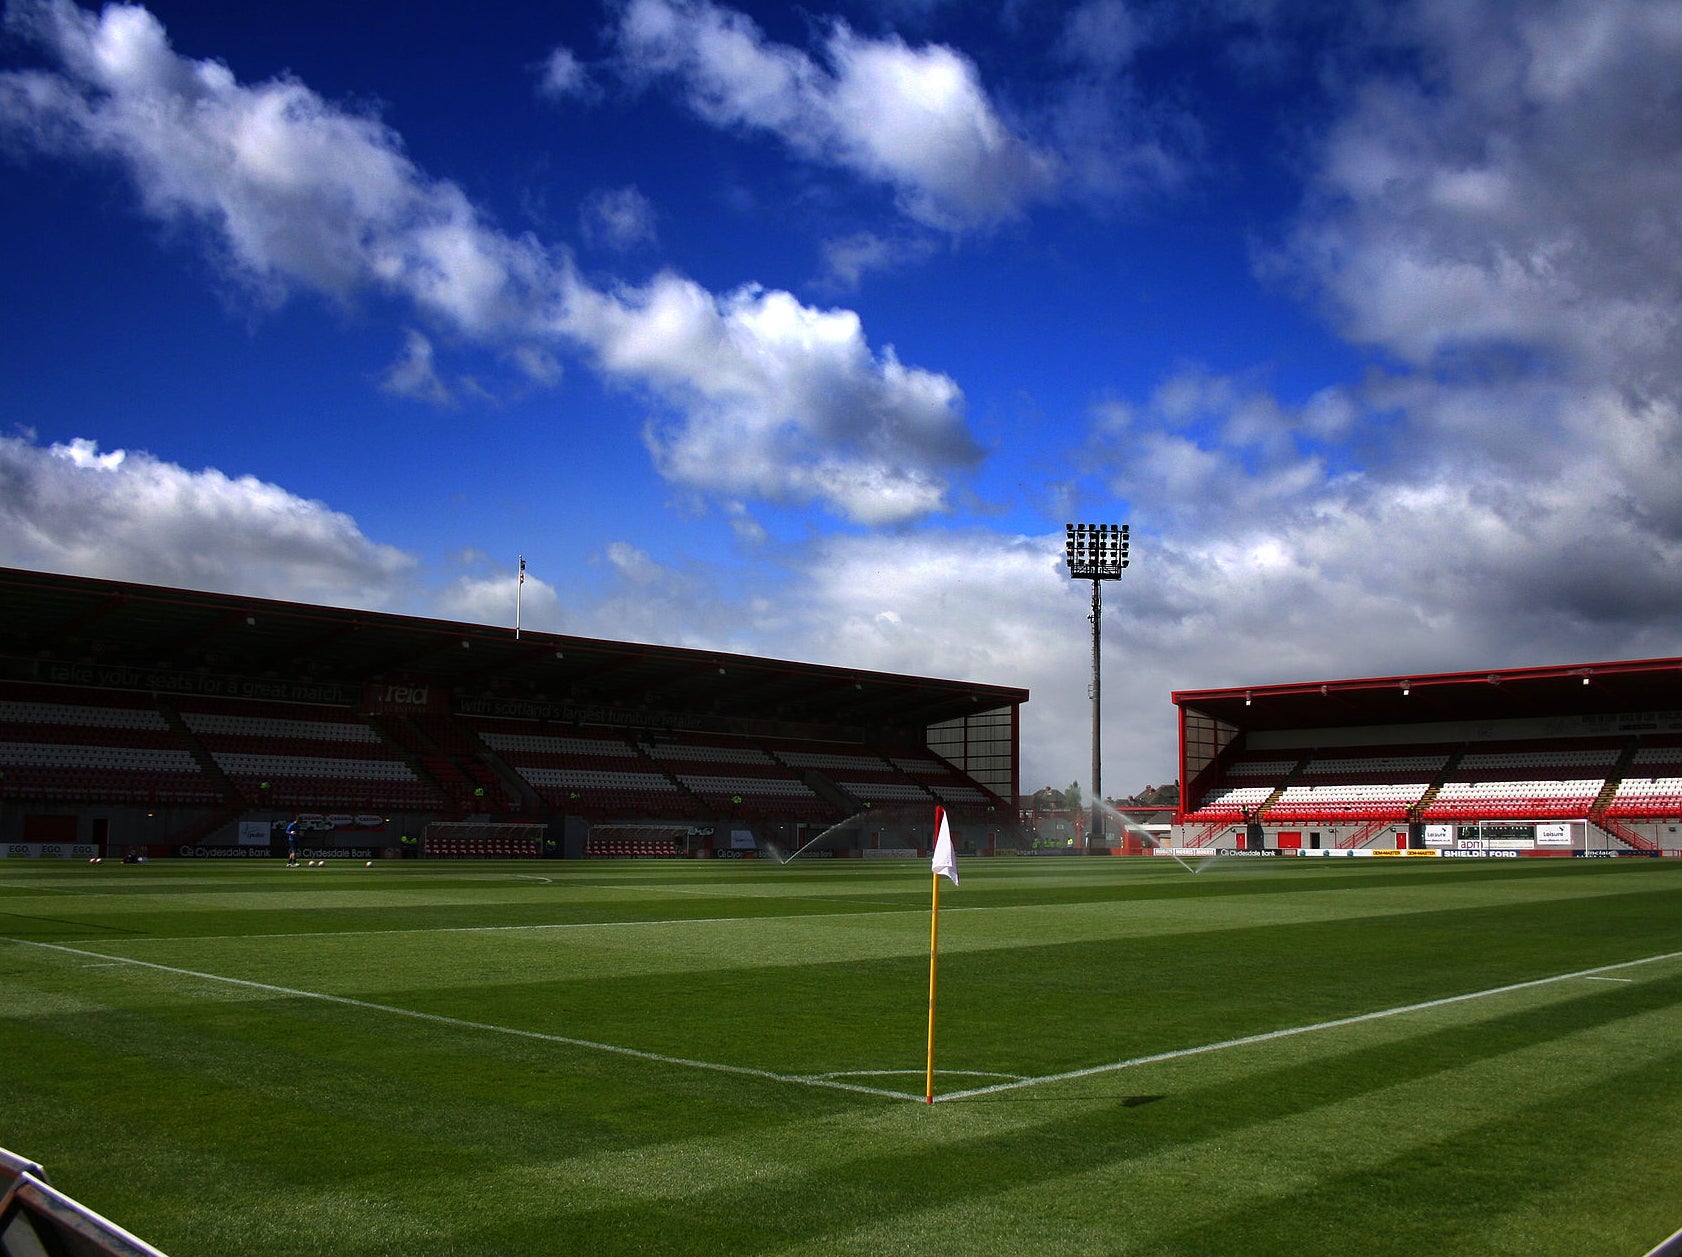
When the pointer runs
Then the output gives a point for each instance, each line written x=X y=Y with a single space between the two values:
x=1095 y=552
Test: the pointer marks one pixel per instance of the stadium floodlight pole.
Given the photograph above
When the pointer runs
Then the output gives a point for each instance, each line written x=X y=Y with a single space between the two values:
x=1096 y=552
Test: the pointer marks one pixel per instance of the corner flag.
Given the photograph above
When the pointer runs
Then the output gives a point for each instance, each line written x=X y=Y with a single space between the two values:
x=945 y=860
x=945 y=863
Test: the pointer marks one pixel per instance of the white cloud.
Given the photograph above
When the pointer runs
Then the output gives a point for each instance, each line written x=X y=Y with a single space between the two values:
x=633 y=564
x=747 y=530
x=918 y=119
x=563 y=76
x=1204 y=448
x=915 y=119
x=291 y=189
x=1102 y=34
x=779 y=400
x=1516 y=199
x=998 y=609
x=1504 y=237
x=292 y=192
x=415 y=373
x=849 y=259
x=1495 y=228
x=127 y=515
x=1498 y=227
x=496 y=597
x=618 y=218
x=1256 y=560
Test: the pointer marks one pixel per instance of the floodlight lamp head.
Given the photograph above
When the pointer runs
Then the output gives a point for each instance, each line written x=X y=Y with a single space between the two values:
x=1095 y=551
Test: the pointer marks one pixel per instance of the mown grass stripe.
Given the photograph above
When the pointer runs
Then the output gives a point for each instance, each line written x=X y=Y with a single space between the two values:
x=465 y=1024
x=532 y=927
x=831 y=1081
x=260 y=1116
x=1269 y=1036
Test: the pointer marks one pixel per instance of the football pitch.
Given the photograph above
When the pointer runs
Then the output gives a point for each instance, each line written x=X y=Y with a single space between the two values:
x=1268 y=1056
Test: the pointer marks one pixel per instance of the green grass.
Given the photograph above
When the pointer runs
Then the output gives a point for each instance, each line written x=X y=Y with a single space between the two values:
x=613 y=1058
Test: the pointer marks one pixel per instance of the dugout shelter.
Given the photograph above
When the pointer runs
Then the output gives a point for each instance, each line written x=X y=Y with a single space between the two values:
x=1580 y=759
x=176 y=721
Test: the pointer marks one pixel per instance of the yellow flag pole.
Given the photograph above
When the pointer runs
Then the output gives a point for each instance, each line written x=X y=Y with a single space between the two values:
x=934 y=951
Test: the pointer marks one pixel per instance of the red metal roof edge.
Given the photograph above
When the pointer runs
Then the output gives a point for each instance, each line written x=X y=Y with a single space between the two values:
x=1420 y=680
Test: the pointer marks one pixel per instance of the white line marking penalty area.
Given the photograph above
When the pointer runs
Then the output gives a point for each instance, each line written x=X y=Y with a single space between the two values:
x=835 y=1081
x=1336 y=1023
x=835 y=1084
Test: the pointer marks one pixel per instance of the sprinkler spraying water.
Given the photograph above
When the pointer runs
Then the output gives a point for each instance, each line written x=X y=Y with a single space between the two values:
x=1131 y=826
x=812 y=842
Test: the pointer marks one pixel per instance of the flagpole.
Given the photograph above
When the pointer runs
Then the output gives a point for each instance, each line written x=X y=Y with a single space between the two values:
x=934 y=952
x=944 y=864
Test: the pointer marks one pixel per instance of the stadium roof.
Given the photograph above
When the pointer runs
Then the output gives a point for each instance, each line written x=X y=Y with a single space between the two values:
x=1567 y=690
x=106 y=623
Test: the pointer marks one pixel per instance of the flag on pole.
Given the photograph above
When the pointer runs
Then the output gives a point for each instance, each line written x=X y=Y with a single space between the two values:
x=519 y=591
x=945 y=860
x=945 y=864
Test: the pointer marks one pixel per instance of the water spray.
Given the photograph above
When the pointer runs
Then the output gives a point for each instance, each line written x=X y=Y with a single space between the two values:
x=1129 y=825
x=857 y=816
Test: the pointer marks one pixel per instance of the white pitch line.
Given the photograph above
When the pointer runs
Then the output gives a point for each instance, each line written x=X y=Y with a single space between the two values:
x=917 y=1073
x=463 y=1023
x=729 y=892
x=493 y=929
x=830 y=1080
x=1270 y=1035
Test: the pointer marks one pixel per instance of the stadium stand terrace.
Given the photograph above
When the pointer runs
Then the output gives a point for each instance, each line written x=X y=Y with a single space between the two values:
x=135 y=718
x=1572 y=760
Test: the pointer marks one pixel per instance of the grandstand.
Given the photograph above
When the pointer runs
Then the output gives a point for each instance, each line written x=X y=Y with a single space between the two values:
x=1580 y=759
x=175 y=722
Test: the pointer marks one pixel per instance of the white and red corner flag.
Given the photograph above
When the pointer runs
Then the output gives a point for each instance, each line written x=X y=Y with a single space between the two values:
x=945 y=859
x=945 y=862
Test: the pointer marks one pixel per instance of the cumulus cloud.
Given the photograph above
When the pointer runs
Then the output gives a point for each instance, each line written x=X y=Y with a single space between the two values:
x=999 y=608
x=915 y=119
x=1516 y=198
x=1426 y=556
x=848 y=259
x=1497 y=229
x=291 y=192
x=488 y=596
x=1501 y=228
x=618 y=218
x=1505 y=488
x=779 y=400
x=128 y=515
x=1204 y=448
x=415 y=373
x=918 y=119
x=1102 y=34
x=563 y=76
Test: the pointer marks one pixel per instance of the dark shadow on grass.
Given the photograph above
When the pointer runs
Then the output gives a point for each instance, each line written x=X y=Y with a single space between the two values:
x=81 y=926
x=811 y=1206
x=1053 y=1095
x=1443 y=1196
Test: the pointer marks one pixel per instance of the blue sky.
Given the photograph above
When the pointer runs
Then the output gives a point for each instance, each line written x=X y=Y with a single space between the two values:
x=802 y=331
